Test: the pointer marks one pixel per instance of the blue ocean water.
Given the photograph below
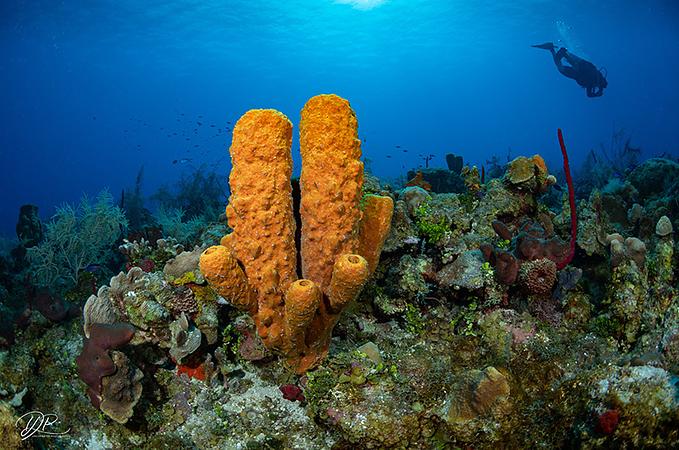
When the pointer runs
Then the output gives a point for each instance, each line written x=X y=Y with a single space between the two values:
x=92 y=91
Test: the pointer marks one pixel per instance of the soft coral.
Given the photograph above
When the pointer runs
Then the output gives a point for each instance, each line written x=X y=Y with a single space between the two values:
x=571 y=200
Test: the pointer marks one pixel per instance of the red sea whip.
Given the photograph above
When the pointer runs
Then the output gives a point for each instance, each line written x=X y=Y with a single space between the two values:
x=571 y=199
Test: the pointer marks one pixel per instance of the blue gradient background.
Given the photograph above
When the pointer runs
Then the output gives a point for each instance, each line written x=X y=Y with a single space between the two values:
x=432 y=76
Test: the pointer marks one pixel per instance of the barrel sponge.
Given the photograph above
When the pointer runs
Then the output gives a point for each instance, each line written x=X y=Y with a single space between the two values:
x=331 y=183
x=260 y=207
x=226 y=277
x=375 y=226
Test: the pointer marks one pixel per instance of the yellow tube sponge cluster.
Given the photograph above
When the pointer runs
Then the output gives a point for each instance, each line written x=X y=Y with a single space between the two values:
x=260 y=213
x=226 y=277
x=340 y=242
x=331 y=183
x=375 y=225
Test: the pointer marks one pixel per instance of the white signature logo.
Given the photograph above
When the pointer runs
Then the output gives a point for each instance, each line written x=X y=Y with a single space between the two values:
x=37 y=424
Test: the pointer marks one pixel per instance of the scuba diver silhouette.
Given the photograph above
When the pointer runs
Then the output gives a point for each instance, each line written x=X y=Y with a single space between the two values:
x=582 y=71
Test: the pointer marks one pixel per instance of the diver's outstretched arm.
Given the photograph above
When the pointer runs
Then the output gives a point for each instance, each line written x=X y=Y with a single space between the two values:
x=567 y=71
x=572 y=59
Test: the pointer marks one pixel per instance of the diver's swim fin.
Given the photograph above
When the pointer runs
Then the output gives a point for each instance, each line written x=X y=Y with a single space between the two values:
x=546 y=46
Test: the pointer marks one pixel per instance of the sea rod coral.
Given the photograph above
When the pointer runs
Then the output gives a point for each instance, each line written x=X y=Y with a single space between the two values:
x=256 y=266
x=571 y=201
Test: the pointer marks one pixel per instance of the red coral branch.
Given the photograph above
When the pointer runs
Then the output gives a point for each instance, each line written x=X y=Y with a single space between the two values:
x=571 y=199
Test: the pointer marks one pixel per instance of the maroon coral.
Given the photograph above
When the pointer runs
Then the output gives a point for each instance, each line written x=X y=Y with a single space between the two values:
x=292 y=392
x=52 y=307
x=538 y=276
x=94 y=362
x=532 y=243
x=502 y=230
x=506 y=267
x=607 y=422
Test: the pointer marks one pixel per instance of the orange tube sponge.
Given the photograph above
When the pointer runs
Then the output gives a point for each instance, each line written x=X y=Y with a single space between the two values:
x=374 y=229
x=340 y=244
x=301 y=302
x=349 y=274
x=260 y=212
x=226 y=277
x=331 y=184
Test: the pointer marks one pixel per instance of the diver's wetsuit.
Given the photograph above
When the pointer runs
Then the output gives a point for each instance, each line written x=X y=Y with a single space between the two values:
x=582 y=71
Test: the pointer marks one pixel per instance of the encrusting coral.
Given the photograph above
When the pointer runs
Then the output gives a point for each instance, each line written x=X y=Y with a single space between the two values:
x=256 y=266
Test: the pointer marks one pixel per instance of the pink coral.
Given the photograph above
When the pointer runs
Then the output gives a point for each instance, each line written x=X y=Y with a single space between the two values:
x=292 y=392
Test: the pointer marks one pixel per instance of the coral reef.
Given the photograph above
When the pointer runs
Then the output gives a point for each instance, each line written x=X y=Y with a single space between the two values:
x=536 y=256
x=485 y=318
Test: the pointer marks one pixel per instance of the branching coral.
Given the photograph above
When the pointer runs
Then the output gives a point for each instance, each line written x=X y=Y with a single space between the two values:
x=199 y=194
x=174 y=225
x=255 y=268
x=76 y=237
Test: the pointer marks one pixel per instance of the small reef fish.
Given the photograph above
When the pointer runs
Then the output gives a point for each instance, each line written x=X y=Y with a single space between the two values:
x=181 y=161
x=91 y=268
